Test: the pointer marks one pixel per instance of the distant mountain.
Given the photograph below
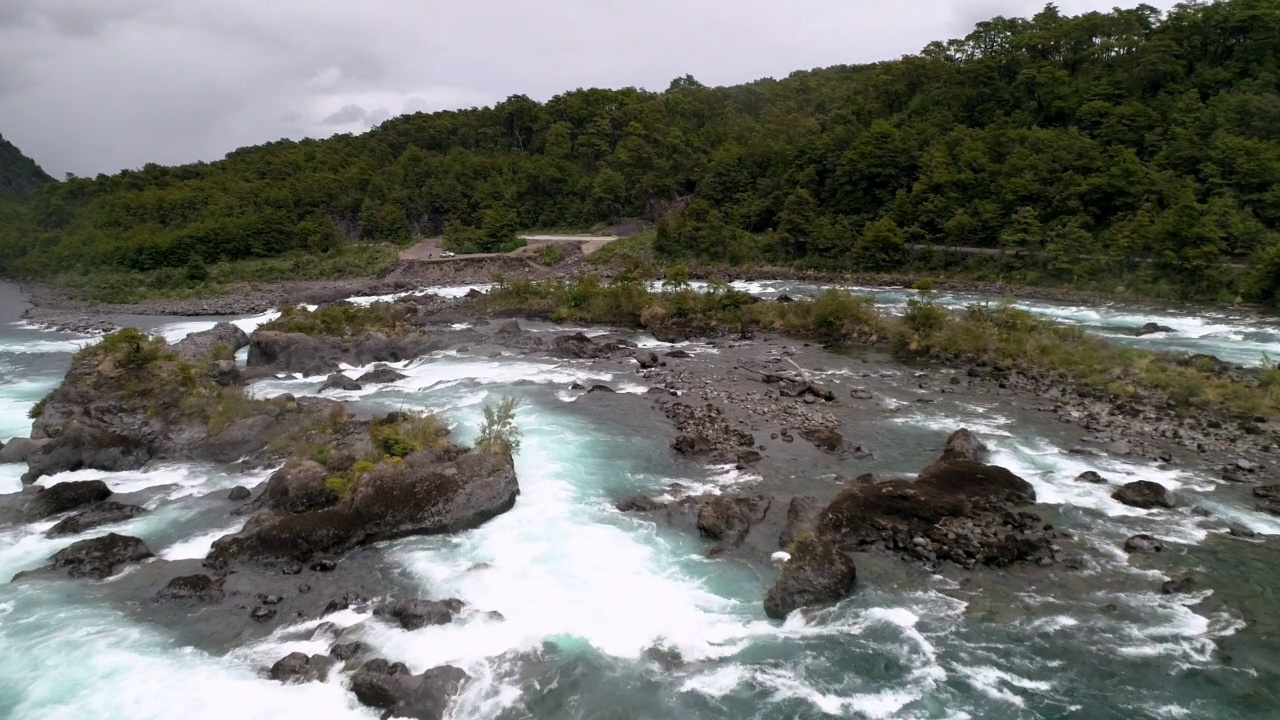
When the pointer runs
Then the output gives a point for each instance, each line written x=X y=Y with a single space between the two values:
x=19 y=174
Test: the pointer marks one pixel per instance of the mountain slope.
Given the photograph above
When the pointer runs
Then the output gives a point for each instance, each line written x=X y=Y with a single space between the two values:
x=19 y=174
x=1113 y=149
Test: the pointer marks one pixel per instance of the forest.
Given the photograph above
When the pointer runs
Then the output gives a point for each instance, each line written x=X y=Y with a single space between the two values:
x=1135 y=148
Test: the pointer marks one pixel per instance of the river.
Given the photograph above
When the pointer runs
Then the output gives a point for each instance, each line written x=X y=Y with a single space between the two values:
x=596 y=603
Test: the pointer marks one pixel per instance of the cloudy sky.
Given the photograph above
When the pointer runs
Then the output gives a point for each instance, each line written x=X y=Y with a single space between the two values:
x=89 y=86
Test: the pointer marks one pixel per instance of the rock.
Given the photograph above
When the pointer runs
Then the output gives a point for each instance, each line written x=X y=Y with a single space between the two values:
x=338 y=381
x=817 y=574
x=262 y=614
x=730 y=519
x=98 y=557
x=1090 y=476
x=348 y=651
x=381 y=374
x=238 y=493
x=1245 y=466
x=431 y=491
x=679 y=355
x=1180 y=586
x=824 y=438
x=1145 y=494
x=1238 y=530
x=1143 y=544
x=298 y=487
x=508 y=331
x=300 y=668
x=647 y=359
x=18 y=450
x=199 y=345
x=347 y=600
x=1152 y=328
x=639 y=503
x=580 y=347
x=860 y=394
x=784 y=299
x=415 y=614
x=390 y=687
x=802 y=515
x=293 y=353
x=600 y=389
x=66 y=496
x=105 y=513
x=200 y=588
x=964 y=445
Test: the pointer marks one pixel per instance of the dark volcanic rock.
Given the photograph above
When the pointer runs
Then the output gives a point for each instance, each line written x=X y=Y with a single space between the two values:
x=961 y=511
x=639 y=503
x=1090 y=476
x=679 y=355
x=238 y=493
x=1179 y=586
x=101 y=514
x=338 y=381
x=703 y=430
x=348 y=651
x=730 y=519
x=415 y=614
x=200 y=588
x=428 y=492
x=298 y=487
x=349 y=599
x=18 y=450
x=392 y=688
x=647 y=359
x=98 y=557
x=580 y=347
x=818 y=573
x=380 y=374
x=802 y=516
x=964 y=445
x=300 y=668
x=67 y=496
x=198 y=345
x=824 y=438
x=1145 y=494
x=1143 y=544
x=1152 y=328
x=292 y=352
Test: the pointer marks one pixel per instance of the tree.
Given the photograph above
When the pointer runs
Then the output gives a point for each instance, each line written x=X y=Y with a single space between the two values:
x=882 y=246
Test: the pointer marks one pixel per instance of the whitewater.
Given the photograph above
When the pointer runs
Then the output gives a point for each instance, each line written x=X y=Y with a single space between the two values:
x=606 y=615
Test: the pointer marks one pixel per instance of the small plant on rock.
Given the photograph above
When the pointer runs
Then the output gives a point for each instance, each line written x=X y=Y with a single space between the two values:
x=498 y=432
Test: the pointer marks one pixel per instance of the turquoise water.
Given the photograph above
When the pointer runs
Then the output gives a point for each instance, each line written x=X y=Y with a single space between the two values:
x=591 y=598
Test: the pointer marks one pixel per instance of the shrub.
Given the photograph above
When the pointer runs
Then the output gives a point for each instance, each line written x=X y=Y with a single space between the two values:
x=551 y=254
x=498 y=432
x=403 y=433
x=924 y=315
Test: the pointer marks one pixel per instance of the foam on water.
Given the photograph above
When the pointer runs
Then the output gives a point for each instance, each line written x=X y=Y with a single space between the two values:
x=198 y=546
x=445 y=291
x=178 y=480
x=173 y=332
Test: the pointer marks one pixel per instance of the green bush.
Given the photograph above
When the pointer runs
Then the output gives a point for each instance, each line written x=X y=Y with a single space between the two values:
x=403 y=433
x=498 y=432
x=551 y=254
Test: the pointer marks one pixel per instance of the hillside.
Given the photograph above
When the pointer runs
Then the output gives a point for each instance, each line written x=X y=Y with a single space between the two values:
x=19 y=174
x=1127 y=148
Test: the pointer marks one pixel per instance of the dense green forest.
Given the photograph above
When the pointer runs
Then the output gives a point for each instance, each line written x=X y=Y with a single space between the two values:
x=1134 y=147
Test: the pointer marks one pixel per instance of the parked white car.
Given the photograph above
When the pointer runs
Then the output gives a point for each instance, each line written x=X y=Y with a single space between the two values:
x=446 y=254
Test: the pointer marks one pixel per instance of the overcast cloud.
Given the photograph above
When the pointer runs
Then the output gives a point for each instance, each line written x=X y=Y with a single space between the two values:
x=89 y=86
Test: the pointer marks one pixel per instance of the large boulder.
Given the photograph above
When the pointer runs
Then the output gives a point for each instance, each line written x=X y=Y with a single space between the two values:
x=18 y=450
x=301 y=668
x=802 y=516
x=415 y=614
x=125 y=441
x=200 y=345
x=728 y=520
x=959 y=511
x=200 y=588
x=381 y=374
x=1152 y=328
x=824 y=438
x=67 y=496
x=1145 y=494
x=293 y=352
x=428 y=492
x=817 y=574
x=98 y=557
x=338 y=381
x=104 y=513
x=392 y=688
x=964 y=445
x=298 y=487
